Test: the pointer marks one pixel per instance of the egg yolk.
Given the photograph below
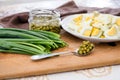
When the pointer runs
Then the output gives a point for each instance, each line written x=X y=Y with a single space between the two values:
x=118 y=21
x=112 y=31
x=77 y=23
x=78 y=19
x=87 y=32
x=95 y=31
x=88 y=18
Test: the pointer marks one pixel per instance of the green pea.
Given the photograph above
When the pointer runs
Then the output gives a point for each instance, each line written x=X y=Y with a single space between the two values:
x=80 y=52
x=87 y=50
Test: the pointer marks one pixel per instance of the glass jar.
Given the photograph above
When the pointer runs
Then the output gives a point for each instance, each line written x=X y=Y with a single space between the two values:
x=48 y=20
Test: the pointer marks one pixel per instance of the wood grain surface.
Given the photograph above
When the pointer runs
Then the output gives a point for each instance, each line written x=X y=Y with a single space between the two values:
x=16 y=65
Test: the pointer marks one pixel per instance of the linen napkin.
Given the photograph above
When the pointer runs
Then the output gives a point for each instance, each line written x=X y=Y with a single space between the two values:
x=20 y=20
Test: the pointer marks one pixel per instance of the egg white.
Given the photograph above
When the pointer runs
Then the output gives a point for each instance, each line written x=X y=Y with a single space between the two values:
x=104 y=18
x=72 y=26
x=113 y=36
x=84 y=29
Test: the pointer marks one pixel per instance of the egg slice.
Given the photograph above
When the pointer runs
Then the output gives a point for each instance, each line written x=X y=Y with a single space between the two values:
x=96 y=24
x=118 y=21
x=77 y=20
x=72 y=26
x=96 y=32
x=79 y=28
x=104 y=18
x=105 y=27
x=88 y=18
x=113 y=20
x=112 y=32
x=86 y=31
x=95 y=14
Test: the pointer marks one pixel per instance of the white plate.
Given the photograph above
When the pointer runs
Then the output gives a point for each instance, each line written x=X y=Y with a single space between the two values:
x=68 y=19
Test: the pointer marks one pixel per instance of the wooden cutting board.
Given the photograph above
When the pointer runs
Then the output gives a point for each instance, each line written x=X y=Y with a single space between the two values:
x=15 y=65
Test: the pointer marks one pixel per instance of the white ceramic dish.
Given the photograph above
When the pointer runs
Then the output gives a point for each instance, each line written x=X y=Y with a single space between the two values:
x=68 y=19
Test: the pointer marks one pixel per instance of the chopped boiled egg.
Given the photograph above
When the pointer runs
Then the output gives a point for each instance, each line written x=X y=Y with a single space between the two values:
x=87 y=18
x=79 y=29
x=84 y=28
x=114 y=18
x=112 y=32
x=105 y=27
x=96 y=25
x=77 y=20
x=104 y=18
x=86 y=31
x=118 y=21
x=95 y=14
x=96 y=32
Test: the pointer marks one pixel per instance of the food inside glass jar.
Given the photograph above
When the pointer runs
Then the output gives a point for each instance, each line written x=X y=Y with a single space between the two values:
x=48 y=21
